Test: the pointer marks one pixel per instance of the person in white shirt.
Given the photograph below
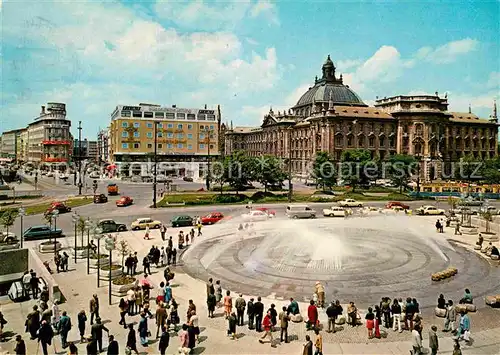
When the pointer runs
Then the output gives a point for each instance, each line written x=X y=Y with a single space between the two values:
x=416 y=341
x=131 y=302
x=56 y=315
x=194 y=322
x=26 y=283
x=160 y=293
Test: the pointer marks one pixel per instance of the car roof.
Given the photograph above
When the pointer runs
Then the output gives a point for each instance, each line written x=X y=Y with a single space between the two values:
x=106 y=220
x=111 y=184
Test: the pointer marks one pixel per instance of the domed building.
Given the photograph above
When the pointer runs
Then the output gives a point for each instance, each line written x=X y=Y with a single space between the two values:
x=331 y=117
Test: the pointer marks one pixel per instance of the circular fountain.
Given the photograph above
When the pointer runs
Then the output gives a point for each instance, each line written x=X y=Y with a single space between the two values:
x=356 y=258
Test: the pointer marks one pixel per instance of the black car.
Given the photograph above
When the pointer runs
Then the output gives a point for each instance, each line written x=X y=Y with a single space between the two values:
x=100 y=198
x=182 y=221
x=187 y=178
x=110 y=226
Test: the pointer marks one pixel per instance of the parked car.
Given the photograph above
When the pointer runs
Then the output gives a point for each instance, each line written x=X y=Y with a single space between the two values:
x=100 y=198
x=212 y=218
x=392 y=204
x=42 y=232
x=300 y=211
x=110 y=226
x=182 y=221
x=142 y=223
x=490 y=209
x=349 y=202
x=334 y=211
x=61 y=207
x=9 y=238
x=124 y=201
x=256 y=216
x=470 y=202
x=161 y=178
x=187 y=178
x=94 y=175
x=112 y=189
x=267 y=210
x=63 y=176
x=430 y=210
x=50 y=174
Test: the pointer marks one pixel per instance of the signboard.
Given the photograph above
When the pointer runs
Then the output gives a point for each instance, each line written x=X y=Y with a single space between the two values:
x=131 y=108
x=206 y=112
x=52 y=106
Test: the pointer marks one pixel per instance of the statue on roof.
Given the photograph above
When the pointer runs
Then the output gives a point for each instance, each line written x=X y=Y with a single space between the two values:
x=328 y=70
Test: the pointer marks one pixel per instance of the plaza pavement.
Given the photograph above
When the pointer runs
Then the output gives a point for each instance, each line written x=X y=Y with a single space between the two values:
x=78 y=287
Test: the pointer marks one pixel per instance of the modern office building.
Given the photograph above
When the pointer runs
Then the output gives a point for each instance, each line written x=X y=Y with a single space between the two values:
x=11 y=144
x=182 y=135
x=331 y=117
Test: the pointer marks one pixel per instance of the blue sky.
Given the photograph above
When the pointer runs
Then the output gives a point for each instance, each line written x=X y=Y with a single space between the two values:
x=245 y=56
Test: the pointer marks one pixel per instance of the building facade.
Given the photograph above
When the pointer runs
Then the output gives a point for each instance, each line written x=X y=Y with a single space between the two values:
x=11 y=144
x=331 y=117
x=103 y=146
x=49 y=137
x=182 y=135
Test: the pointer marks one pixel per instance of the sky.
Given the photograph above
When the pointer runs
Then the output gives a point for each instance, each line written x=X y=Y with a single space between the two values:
x=245 y=56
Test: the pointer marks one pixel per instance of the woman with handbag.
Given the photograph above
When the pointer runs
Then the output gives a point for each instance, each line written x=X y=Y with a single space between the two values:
x=143 y=330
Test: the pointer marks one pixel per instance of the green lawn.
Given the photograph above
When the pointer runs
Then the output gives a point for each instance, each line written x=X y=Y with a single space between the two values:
x=72 y=202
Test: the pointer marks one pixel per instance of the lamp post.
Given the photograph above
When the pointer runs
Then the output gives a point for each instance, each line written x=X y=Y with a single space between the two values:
x=88 y=226
x=54 y=216
x=98 y=235
x=110 y=246
x=75 y=217
x=22 y=213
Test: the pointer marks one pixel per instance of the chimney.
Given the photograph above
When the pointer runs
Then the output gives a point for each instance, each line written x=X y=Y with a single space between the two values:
x=43 y=110
x=174 y=106
x=205 y=106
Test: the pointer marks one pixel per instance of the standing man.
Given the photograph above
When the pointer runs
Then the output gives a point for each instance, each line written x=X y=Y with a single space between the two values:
x=146 y=263
x=433 y=340
x=113 y=348
x=135 y=262
x=20 y=348
x=331 y=314
x=34 y=282
x=164 y=341
x=320 y=291
x=64 y=328
x=129 y=263
x=163 y=231
x=26 y=284
x=250 y=313
x=258 y=311
x=45 y=335
x=210 y=287
x=284 y=318
x=94 y=308
x=161 y=317
x=318 y=343
x=450 y=317
x=33 y=322
x=268 y=325
x=96 y=332
x=416 y=341
x=308 y=346
x=240 y=305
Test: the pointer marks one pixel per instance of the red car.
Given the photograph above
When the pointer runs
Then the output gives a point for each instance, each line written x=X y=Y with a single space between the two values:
x=124 y=201
x=212 y=218
x=59 y=206
x=266 y=210
x=392 y=204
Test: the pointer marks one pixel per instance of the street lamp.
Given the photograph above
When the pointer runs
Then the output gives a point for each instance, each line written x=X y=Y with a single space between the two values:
x=54 y=215
x=98 y=235
x=110 y=246
x=75 y=217
x=88 y=226
x=22 y=213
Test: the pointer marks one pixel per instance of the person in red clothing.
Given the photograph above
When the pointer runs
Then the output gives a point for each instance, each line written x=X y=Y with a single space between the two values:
x=267 y=324
x=312 y=315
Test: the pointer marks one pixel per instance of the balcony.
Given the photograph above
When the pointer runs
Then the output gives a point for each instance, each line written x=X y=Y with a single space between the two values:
x=54 y=142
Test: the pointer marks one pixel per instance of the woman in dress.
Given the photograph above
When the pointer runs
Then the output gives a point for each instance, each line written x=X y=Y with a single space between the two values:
x=228 y=304
x=370 y=322
x=143 y=329
x=378 y=321
x=218 y=293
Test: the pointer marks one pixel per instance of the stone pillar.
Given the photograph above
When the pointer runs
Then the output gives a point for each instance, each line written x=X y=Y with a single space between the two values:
x=426 y=141
x=399 y=139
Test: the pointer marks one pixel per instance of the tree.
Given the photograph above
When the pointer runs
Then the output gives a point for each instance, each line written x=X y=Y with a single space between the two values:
x=240 y=170
x=469 y=169
x=401 y=168
x=357 y=167
x=491 y=171
x=124 y=249
x=8 y=218
x=268 y=171
x=487 y=216
x=324 y=170
x=219 y=172
x=81 y=226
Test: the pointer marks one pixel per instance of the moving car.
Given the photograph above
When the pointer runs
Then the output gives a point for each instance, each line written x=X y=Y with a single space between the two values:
x=212 y=218
x=187 y=178
x=94 y=175
x=267 y=210
x=100 y=198
x=142 y=223
x=392 y=204
x=430 y=210
x=50 y=174
x=182 y=221
x=61 y=207
x=110 y=226
x=42 y=232
x=300 y=211
x=63 y=176
x=349 y=202
x=334 y=211
x=124 y=201
x=256 y=216
x=112 y=189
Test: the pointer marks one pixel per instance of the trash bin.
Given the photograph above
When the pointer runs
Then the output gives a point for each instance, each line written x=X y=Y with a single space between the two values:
x=16 y=293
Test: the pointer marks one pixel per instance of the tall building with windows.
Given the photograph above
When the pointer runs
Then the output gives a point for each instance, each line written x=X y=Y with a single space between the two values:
x=331 y=117
x=11 y=144
x=182 y=134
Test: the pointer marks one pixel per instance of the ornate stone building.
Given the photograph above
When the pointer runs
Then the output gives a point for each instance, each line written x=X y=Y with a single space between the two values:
x=332 y=117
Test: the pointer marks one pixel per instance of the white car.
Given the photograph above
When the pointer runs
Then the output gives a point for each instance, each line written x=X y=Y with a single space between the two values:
x=50 y=174
x=334 y=211
x=256 y=216
x=94 y=175
x=349 y=202
x=430 y=210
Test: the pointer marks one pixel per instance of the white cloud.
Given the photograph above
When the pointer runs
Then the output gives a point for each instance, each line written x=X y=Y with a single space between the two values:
x=494 y=80
x=344 y=65
x=482 y=104
x=448 y=52
x=385 y=65
x=266 y=9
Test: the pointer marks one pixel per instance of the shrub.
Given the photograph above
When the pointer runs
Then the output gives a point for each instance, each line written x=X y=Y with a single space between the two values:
x=124 y=280
x=113 y=267
x=228 y=198
x=261 y=194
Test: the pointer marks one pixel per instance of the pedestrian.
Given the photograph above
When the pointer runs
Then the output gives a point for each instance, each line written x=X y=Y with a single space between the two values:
x=20 y=348
x=370 y=322
x=218 y=293
x=180 y=240
x=156 y=256
x=267 y=324
x=232 y=323
x=199 y=228
x=163 y=257
x=45 y=335
x=160 y=296
x=194 y=323
x=168 y=292
x=94 y=308
x=146 y=263
x=113 y=348
x=131 y=302
x=331 y=314
x=456 y=348
x=47 y=315
x=170 y=243
x=308 y=346
x=164 y=340
x=250 y=313
x=26 y=283
x=131 y=340
x=318 y=343
x=44 y=296
x=284 y=318
x=163 y=231
x=320 y=292
x=409 y=313
x=293 y=307
x=57 y=261
x=274 y=315
x=228 y=304
x=210 y=287
x=184 y=340
x=174 y=257
x=385 y=307
x=464 y=327
x=211 y=302
x=259 y=312
x=135 y=262
x=352 y=314
x=56 y=315
x=450 y=317
x=82 y=318
x=64 y=328
x=129 y=263
x=191 y=308
x=312 y=316
x=33 y=322
x=96 y=332
x=123 y=311
x=65 y=261
x=457 y=229
x=416 y=341
x=92 y=346
x=433 y=340
x=378 y=321
x=160 y=317
x=146 y=233
x=240 y=305
x=34 y=285
x=143 y=330
x=396 y=315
